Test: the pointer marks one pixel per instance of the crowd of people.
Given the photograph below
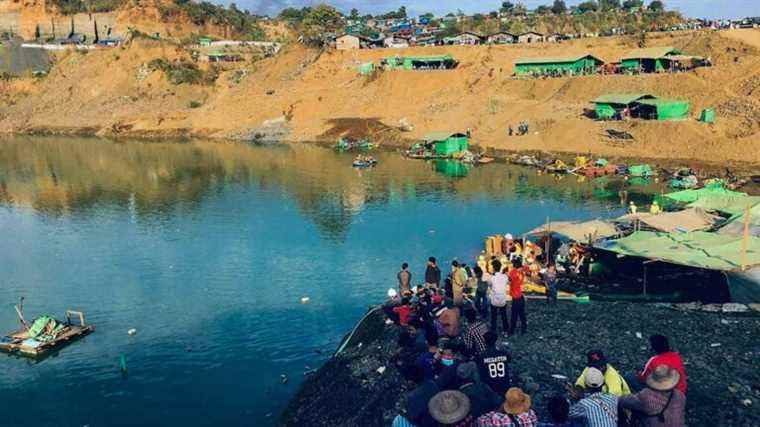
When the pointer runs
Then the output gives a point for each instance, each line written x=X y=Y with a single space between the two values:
x=449 y=348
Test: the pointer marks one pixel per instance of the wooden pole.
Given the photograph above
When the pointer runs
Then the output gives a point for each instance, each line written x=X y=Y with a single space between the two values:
x=745 y=238
x=548 y=244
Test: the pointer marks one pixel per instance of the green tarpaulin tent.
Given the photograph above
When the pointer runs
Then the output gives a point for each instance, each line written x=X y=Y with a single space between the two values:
x=607 y=105
x=566 y=65
x=447 y=143
x=729 y=205
x=696 y=249
x=663 y=109
x=366 y=69
x=735 y=226
x=690 y=196
x=641 y=171
x=707 y=116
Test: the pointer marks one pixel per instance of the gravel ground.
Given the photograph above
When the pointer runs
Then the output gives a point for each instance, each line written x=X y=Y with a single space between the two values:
x=721 y=352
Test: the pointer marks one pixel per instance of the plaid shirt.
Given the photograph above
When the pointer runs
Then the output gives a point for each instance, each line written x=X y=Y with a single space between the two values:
x=597 y=410
x=474 y=338
x=500 y=419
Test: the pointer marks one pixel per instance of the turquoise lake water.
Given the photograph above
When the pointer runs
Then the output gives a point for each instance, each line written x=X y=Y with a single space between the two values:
x=206 y=249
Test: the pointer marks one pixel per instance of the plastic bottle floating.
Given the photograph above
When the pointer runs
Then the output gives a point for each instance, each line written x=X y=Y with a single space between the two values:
x=305 y=300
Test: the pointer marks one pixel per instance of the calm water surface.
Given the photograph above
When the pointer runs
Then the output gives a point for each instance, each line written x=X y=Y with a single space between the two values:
x=207 y=248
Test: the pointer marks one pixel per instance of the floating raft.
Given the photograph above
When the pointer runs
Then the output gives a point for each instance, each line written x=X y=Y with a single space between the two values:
x=18 y=342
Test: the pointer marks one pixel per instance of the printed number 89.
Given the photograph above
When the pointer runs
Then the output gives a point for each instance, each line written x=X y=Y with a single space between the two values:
x=497 y=370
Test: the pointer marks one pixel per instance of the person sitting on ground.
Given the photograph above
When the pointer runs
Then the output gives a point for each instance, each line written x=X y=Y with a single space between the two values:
x=417 y=412
x=660 y=404
x=494 y=366
x=405 y=358
x=515 y=412
x=597 y=408
x=664 y=356
x=559 y=412
x=451 y=408
x=429 y=362
x=449 y=319
x=432 y=273
x=614 y=383
x=403 y=311
x=404 y=279
x=474 y=334
x=498 y=288
x=482 y=398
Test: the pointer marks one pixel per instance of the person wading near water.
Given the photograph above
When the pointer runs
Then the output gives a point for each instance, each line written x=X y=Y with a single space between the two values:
x=664 y=356
x=494 y=366
x=516 y=279
x=458 y=282
x=404 y=280
x=660 y=404
x=597 y=409
x=613 y=381
x=498 y=296
x=432 y=273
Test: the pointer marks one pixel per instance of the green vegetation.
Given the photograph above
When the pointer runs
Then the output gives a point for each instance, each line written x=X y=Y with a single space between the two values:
x=69 y=7
x=242 y=23
x=179 y=72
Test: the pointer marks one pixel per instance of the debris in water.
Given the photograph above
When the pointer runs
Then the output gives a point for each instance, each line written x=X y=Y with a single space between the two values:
x=715 y=344
x=305 y=300
x=639 y=336
x=132 y=331
x=559 y=377
x=283 y=378
x=380 y=370
x=747 y=402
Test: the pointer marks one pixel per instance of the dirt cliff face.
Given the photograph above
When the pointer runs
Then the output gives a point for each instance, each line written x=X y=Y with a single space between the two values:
x=112 y=92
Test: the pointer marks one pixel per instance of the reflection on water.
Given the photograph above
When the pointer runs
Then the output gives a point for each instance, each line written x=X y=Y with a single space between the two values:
x=207 y=248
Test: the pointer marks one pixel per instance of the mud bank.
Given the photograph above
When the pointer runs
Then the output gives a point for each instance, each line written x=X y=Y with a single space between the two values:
x=720 y=350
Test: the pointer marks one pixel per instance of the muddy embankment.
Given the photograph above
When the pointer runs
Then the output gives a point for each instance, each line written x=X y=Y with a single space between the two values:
x=307 y=95
x=720 y=350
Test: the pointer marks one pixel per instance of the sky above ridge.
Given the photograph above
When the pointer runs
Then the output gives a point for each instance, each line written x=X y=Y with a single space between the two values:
x=691 y=8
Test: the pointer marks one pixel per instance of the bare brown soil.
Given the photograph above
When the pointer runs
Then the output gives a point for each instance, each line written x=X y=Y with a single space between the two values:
x=322 y=97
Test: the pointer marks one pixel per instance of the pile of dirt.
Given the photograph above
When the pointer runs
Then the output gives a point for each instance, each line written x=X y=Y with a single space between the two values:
x=323 y=97
x=361 y=386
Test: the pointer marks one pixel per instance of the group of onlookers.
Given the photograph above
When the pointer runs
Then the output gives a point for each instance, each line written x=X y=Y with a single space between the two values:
x=463 y=377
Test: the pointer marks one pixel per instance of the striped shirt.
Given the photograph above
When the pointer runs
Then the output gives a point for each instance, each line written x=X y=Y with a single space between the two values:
x=597 y=410
x=500 y=419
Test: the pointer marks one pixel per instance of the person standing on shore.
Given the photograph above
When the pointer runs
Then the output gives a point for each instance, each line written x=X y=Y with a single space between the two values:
x=597 y=409
x=404 y=280
x=458 y=282
x=550 y=278
x=481 y=287
x=432 y=273
x=498 y=297
x=516 y=279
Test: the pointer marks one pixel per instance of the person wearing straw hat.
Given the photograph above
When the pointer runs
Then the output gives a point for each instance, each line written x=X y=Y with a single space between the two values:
x=597 y=408
x=515 y=412
x=450 y=408
x=660 y=404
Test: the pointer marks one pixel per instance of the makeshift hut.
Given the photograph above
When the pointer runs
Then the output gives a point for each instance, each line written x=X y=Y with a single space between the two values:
x=530 y=37
x=348 y=42
x=693 y=219
x=584 y=232
x=615 y=104
x=662 y=109
x=572 y=65
x=692 y=195
x=446 y=144
x=648 y=60
x=438 y=62
x=502 y=37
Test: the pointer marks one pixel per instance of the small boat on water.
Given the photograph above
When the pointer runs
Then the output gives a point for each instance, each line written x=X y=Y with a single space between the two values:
x=364 y=162
x=44 y=334
x=345 y=144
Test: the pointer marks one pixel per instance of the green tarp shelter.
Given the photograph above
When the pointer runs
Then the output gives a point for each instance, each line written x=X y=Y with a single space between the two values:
x=663 y=109
x=571 y=65
x=732 y=206
x=609 y=104
x=366 y=69
x=417 y=62
x=640 y=171
x=649 y=60
x=690 y=196
x=707 y=116
x=696 y=249
x=735 y=226
x=447 y=143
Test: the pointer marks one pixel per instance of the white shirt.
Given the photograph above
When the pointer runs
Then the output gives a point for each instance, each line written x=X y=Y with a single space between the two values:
x=499 y=288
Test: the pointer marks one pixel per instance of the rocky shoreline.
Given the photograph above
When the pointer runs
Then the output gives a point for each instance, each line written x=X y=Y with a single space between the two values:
x=361 y=387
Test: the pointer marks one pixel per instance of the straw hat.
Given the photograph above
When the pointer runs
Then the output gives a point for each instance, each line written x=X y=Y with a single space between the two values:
x=594 y=378
x=663 y=378
x=449 y=407
x=517 y=401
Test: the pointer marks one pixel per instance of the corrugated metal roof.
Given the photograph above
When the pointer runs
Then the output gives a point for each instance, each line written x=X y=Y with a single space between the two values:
x=621 y=98
x=652 y=53
x=558 y=60
x=441 y=136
